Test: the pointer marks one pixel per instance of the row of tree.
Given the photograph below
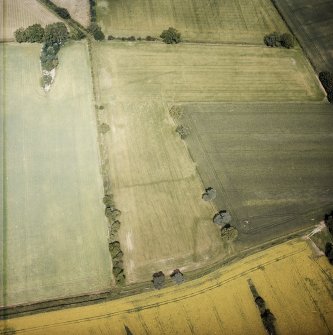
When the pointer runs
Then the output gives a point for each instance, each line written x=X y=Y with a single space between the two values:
x=62 y=12
x=55 y=32
x=169 y=36
x=277 y=40
x=326 y=79
x=58 y=33
x=92 y=10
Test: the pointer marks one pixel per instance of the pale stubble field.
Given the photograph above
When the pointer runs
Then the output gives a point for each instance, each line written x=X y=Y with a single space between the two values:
x=22 y=13
x=230 y=21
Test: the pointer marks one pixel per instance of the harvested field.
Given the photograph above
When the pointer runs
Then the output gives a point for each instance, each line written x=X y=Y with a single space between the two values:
x=14 y=15
x=79 y=10
x=312 y=23
x=237 y=21
x=165 y=224
x=189 y=72
x=219 y=303
x=271 y=164
x=55 y=231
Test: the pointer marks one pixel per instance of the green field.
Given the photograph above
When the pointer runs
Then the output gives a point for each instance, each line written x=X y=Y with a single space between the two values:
x=272 y=164
x=312 y=23
x=240 y=21
x=55 y=231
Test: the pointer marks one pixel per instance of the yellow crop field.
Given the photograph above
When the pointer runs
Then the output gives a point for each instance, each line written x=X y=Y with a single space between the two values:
x=240 y=21
x=22 y=13
x=219 y=303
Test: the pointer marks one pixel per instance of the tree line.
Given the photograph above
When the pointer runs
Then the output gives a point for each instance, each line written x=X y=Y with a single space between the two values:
x=277 y=40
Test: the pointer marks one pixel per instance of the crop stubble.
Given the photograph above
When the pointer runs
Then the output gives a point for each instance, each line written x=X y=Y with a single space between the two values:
x=271 y=163
x=165 y=224
x=22 y=13
x=312 y=23
x=240 y=21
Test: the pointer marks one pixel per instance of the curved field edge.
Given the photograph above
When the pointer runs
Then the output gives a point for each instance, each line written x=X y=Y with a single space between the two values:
x=218 y=302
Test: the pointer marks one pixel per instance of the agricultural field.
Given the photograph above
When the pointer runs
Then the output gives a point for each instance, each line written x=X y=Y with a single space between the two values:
x=197 y=73
x=232 y=21
x=55 y=231
x=14 y=14
x=218 y=303
x=79 y=10
x=165 y=224
x=271 y=164
x=312 y=23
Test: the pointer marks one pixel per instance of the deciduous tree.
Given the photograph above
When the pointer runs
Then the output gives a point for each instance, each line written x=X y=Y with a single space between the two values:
x=171 y=36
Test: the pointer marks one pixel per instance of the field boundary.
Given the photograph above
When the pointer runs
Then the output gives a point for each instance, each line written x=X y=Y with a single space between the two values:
x=4 y=187
x=134 y=289
x=295 y=36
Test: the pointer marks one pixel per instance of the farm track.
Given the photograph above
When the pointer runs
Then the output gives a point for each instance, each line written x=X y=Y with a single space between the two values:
x=105 y=168
x=138 y=288
x=220 y=302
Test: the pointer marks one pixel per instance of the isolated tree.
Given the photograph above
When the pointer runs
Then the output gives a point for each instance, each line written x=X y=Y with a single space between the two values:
x=229 y=233
x=171 y=36
x=20 y=36
x=63 y=13
x=177 y=276
x=210 y=194
x=56 y=33
x=272 y=40
x=158 y=280
x=287 y=40
x=96 y=31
